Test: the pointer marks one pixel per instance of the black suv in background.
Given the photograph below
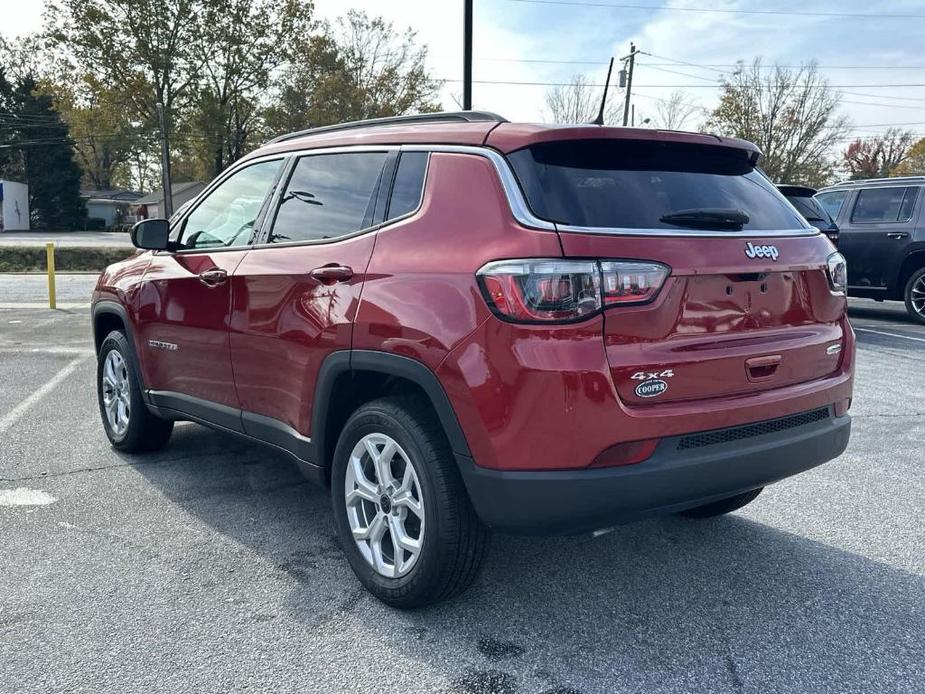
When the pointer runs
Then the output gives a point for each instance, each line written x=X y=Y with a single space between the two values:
x=801 y=197
x=882 y=236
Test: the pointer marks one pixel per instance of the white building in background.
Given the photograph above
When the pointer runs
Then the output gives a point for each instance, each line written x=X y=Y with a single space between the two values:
x=14 y=206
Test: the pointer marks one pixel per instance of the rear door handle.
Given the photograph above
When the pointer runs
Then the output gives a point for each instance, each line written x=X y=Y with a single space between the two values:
x=213 y=276
x=329 y=274
x=897 y=234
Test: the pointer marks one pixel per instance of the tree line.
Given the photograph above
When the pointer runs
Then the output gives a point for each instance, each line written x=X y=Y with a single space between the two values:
x=230 y=73
x=792 y=114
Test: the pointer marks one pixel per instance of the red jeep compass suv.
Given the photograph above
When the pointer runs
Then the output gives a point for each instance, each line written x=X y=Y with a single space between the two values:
x=459 y=323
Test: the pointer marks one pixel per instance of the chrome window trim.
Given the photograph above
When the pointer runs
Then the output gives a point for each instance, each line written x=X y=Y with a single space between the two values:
x=744 y=234
x=515 y=197
x=525 y=216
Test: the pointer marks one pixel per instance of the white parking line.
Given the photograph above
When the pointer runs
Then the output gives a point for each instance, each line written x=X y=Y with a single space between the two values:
x=881 y=332
x=17 y=412
x=23 y=496
x=75 y=351
x=69 y=305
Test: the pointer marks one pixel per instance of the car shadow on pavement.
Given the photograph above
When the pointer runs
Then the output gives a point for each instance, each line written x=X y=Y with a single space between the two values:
x=665 y=604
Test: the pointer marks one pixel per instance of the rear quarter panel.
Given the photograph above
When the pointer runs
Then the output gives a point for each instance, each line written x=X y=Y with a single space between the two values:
x=421 y=297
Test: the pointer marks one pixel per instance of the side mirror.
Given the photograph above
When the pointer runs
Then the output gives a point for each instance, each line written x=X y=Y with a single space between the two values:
x=151 y=234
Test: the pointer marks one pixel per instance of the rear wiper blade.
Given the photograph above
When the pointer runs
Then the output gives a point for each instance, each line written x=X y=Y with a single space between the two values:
x=704 y=217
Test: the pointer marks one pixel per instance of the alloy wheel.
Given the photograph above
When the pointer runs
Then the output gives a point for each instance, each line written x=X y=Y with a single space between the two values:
x=385 y=508
x=917 y=296
x=116 y=397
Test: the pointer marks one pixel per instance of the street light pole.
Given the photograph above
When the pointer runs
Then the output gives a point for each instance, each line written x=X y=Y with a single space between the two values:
x=467 y=55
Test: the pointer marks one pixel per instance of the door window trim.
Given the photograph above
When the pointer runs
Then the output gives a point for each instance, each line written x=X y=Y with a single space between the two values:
x=263 y=239
x=383 y=193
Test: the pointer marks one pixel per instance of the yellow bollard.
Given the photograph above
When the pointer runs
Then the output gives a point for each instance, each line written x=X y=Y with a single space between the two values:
x=50 y=255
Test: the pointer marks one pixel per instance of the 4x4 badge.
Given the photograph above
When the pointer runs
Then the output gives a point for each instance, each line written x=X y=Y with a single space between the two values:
x=753 y=251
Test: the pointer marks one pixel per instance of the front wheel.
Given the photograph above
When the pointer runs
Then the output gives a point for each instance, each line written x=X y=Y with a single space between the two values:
x=915 y=296
x=128 y=424
x=400 y=508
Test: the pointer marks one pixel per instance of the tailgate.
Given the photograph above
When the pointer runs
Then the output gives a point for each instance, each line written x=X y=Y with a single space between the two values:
x=724 y=323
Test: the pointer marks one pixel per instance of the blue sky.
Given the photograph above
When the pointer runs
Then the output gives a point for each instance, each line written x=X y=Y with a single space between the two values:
x=510 y=31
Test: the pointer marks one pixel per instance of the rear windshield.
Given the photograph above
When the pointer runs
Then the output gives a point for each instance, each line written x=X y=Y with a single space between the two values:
x=632 y=184
x=810 y=208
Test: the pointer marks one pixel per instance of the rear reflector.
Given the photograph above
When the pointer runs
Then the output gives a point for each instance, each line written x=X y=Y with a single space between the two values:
x=626 y=453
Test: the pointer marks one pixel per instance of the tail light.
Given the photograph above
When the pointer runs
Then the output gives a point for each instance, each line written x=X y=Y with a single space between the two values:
x=837 y=268
x=564 y=291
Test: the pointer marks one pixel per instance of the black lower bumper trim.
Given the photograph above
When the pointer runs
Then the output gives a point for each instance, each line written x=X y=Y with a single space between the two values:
x=673 y=479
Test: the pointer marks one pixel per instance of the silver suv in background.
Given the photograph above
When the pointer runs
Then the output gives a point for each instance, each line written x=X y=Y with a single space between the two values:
x=882 y=235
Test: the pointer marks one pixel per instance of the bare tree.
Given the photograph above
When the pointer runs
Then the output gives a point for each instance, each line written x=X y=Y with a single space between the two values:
x=579 y=102
x=791 y=114
x=878 y=156
x=675 y=111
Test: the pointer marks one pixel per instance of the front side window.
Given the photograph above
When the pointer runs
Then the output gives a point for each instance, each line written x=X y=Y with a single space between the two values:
x=649 y=184
x=831 y=202
x=327 y=196
x=893 y=204
x=227 y=216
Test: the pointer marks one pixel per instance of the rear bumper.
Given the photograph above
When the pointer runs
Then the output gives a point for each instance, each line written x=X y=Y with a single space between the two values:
x=673 y=479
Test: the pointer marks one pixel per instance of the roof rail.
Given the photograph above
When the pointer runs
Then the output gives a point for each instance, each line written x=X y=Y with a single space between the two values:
x=440 y=117
x=889 y=179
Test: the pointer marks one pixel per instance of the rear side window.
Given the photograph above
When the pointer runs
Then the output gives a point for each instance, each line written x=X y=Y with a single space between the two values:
x=328 y=195
x=892 y=204
x=408 y=185
x=633 y=184
x=832 y=202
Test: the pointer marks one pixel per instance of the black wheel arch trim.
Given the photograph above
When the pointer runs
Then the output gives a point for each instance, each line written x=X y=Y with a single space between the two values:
x=106 y=306
x=351 y=361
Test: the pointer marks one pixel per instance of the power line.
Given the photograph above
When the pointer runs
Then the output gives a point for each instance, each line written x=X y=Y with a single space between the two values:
x=710 y=10
x=696 y=86
x=707 y=65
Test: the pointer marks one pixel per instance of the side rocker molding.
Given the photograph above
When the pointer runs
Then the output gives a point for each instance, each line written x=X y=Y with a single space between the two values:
x=338 y=363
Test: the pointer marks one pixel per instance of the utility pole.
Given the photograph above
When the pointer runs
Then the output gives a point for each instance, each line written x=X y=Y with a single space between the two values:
x=467 y=55
x=629 y=61
x=165 y=164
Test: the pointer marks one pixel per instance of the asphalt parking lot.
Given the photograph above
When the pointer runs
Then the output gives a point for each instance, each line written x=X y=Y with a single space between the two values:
x=211 y=566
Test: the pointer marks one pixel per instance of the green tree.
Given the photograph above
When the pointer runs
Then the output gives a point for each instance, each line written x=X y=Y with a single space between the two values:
x=145 y=47
x=42 y=157
x=240 y=44
x=791 y=114
x=106 y=138
x=359 y=67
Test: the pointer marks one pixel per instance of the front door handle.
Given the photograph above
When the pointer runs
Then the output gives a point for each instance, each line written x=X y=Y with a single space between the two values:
x=897 y=234
x=213 y=276
x=329 y=274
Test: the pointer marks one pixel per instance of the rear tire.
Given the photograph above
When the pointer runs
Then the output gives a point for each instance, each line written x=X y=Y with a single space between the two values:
x=440 y=543
x=914 y=294
x=128 y=423
x=723 y=506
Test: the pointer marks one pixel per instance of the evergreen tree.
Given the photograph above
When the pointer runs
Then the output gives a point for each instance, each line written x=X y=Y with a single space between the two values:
x=45 y=159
